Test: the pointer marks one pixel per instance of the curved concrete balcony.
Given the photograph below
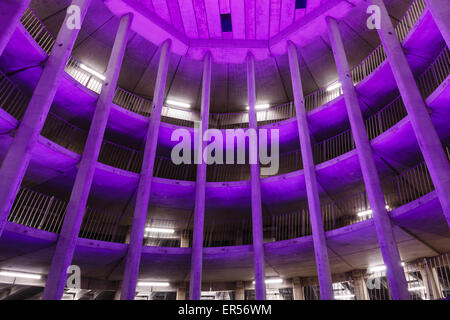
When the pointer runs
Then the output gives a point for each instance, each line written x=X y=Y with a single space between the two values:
x=76 y=95
x=420 y=230
x=338 y=168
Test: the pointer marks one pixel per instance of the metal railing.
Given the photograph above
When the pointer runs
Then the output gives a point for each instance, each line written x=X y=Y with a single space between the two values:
x=12 y=99
x=368 y=65
x=436 y=276
x=427 y=278
x=413 y=184
x=132 y=102
x=176 y=116
x=409 y=19
x=87 y=79
x=438 y=71
x=44 y=212
x=120 y=157
x=64 y=133
x=376 y=124
x=38 y=31
x=101 y=225
x=37 y=210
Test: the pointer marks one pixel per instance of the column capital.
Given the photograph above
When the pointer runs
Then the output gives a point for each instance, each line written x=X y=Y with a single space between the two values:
x=358 y=273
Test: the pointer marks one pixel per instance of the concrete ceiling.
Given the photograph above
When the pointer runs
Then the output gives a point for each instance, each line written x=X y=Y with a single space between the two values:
x=229 y=80
x=251 y=19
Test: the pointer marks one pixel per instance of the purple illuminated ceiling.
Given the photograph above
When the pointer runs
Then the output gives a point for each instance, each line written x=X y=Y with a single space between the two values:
x=228 y=79
x=261 y=27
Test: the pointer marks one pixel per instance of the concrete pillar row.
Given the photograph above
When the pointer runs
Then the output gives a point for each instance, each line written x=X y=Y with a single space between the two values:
x=429 y=280
x=11 y=11
x=383 y=226
x=239 y=292
x=297 y=289
x=440 y=11
x=255 y=187
x=312 y=191
x=133 y=257
x=119 y=289
x=80 y=192
x=181 y=291
x=18 y=157
x=185 y=239
x=427 y=137
x=195 y=285
x=361 y=291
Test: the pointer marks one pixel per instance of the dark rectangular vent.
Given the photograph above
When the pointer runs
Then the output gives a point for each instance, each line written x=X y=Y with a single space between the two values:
x=226 y=22
x=300 y=4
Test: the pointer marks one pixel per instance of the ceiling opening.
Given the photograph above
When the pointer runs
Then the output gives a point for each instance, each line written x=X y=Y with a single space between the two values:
x=300 y=4
x=226 y=22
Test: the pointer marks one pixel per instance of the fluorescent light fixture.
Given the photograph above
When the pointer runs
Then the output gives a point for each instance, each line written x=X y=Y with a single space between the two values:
x=152 y=284
x=364 y=213
x=344 y=296
x=377 y=269
x=178 y=104
x=380 y=268
x=416 y=289
x=334 y=86
x=93 y=72
x=368 y=212
x=270 y=281
x=20 y=275
x=261 y=106
x=160 y=230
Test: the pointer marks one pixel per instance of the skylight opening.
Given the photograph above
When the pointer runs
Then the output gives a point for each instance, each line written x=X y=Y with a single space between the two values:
x=300 y=4
x=225 y=20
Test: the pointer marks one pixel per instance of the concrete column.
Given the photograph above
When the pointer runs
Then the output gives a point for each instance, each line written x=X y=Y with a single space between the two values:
x=80 y=192
x=181 y=291
x=195 y=285
x=255 y=186
x=18 y=157
x=388 y=245
x=297 y=289
x=429 y=281
x=426 y=134
x=117 y=293
x=145 y=182
x=239 y=292
x=318 y=232
x=361 y=291
x=440 y=10
x=435 y=277
x=11 y=11
x=128 y=235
